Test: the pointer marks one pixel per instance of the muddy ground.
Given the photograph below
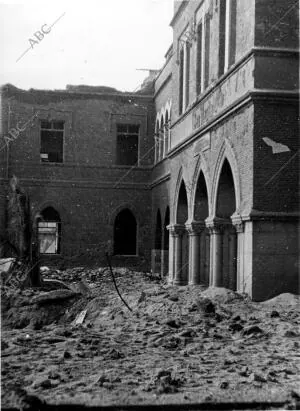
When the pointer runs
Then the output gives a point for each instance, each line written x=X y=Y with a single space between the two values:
x=178 y=345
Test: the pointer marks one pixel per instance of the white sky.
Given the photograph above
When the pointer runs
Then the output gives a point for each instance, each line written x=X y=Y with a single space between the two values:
x=95 y=42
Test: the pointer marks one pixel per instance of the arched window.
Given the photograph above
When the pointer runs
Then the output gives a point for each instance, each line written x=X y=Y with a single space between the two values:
x=156 y=138
x=166 y=134
x=49 y=231
x=125 y=232
x=161 y=138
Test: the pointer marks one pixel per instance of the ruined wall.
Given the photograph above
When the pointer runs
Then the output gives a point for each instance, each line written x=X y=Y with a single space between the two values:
x=88 y=188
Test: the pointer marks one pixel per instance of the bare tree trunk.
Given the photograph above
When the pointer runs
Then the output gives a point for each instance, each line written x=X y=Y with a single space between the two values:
x=22 y=231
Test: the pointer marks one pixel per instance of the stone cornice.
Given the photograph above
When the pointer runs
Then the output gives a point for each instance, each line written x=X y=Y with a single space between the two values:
x=160 y=180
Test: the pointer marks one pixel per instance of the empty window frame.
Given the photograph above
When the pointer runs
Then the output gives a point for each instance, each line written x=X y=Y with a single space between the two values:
x=181 y=79
x=52 y=141
x=49 y=232
x=187 y=73
x=203 y=50
x=227 y=35
x=127 y=144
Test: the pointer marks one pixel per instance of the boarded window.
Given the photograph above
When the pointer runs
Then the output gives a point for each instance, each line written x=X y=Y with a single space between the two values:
x=49 y=232
x=127 y=144
x=125 y=232
x=52 y=141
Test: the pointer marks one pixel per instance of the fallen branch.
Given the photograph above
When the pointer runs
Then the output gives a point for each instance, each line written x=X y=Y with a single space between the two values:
x=114 y=281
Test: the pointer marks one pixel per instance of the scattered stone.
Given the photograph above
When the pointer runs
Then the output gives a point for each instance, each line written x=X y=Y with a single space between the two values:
x=224 y=385
x=4 y=345
x=291 y=334
x=257 y=377
x=45 y=384
x=235 y=327
x=173 y=298
x=206 y=305
x=142 y=297
x=53 y=375
x=52 y=296
x=274 y=314
x=173 y=323
x=115 y=354
x=253 y=329
x=67 y=355
x=187 y=333
x=245 y=372
x=108 y=385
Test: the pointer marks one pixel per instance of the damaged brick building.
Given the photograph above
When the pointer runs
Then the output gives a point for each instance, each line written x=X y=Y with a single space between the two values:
x=195 y=175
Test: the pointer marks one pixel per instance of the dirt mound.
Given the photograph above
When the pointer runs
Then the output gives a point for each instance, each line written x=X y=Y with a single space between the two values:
x=222 y=295
x=34 y=308
x=285 y=299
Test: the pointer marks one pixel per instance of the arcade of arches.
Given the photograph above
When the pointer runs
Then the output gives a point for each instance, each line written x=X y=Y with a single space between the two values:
x=202 y=249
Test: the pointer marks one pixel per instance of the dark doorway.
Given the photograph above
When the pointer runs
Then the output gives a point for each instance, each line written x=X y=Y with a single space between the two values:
x=125 y=230
x=166 y=233
x=158 y=231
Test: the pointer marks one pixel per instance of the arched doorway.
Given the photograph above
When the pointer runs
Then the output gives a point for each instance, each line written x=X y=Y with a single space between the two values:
x=158 y=232
x=200 y=215
x=156 y=251
x=125 y=233
x=181 y=266
x=165 y=250
x=49 y=231
x=225 y=208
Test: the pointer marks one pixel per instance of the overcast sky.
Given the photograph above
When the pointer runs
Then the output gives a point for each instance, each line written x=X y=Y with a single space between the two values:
x=99 y=42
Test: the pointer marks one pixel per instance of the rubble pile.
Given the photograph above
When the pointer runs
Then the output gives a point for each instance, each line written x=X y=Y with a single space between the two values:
x=177 y=345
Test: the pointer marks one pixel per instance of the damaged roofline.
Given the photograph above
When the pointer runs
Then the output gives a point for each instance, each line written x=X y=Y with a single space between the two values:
x=10 y=89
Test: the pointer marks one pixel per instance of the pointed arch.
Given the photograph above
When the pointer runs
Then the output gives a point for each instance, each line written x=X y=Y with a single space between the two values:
x=201 y=168
x=182 y=214
x=226 y=153
x=225 y=198
x=125 y=233
x=176 y=194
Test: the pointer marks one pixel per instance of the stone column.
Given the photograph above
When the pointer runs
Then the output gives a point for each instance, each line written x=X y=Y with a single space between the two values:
x=194 y=230
x=232 y=263
x=178 y=230
x=170 y=228
x=215 y=229
x=239 y=228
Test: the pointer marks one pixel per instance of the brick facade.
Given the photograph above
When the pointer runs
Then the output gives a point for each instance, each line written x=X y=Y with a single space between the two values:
x=218 y=153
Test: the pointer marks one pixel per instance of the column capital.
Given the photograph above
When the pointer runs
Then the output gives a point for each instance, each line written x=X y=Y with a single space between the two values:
x=176 y=229
x=237 y=222
x=215 y=224
x=195 y=227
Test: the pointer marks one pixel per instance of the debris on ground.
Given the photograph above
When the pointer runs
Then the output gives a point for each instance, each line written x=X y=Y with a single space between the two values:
x=80 y=344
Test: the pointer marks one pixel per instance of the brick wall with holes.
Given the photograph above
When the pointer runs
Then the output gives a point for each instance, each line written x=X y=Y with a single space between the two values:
x=88 y=186
x=276 y=156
